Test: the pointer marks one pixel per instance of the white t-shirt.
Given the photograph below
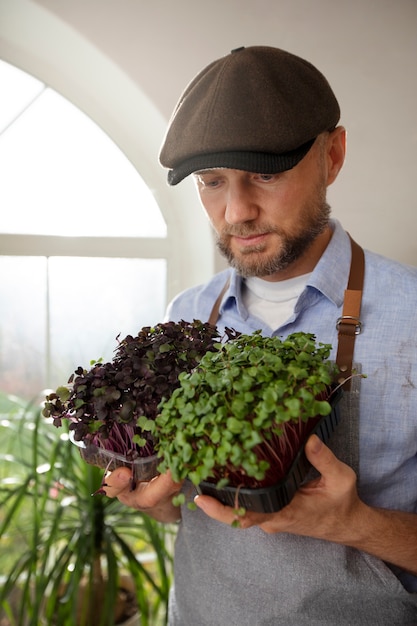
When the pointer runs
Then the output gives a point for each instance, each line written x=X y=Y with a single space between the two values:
x=273 y=302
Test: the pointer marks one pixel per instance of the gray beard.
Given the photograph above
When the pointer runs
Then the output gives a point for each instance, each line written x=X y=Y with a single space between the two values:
x=293 y=247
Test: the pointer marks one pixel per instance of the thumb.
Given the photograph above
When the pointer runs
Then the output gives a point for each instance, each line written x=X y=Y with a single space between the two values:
x=319 y=455
x=333 y=471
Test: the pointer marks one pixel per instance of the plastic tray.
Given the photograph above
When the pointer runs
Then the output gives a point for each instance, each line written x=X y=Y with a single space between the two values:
x=274 y=498
x=143 y=468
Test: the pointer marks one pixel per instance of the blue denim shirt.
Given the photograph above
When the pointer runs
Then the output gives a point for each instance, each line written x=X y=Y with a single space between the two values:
x=386 y=350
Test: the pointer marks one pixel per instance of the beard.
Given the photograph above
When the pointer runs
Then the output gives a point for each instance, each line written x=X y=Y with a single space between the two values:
x=251 y=261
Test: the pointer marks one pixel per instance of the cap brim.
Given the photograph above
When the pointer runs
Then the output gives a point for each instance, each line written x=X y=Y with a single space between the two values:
x=257 y=162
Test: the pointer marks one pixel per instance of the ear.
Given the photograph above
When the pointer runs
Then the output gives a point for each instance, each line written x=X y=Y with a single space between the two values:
x=336 y=150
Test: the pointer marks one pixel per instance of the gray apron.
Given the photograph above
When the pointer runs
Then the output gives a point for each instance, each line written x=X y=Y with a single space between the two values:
x=230 y=577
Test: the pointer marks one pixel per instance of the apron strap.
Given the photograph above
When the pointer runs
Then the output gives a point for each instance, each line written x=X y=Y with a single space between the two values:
x=214 y=315
x=348 y=325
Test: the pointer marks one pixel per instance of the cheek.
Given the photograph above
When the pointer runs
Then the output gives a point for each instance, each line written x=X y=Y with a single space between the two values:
x=283 y=204
x=296 y=192
x=296 y=198
x=214 y=210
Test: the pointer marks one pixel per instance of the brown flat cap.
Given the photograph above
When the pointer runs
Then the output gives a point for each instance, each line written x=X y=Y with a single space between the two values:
x=257 y=109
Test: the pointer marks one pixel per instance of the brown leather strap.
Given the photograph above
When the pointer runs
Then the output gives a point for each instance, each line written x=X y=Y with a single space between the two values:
x=349 y=324
x=214 y=315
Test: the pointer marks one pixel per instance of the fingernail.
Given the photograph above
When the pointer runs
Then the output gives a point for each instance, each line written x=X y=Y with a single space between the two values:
x=316 y=444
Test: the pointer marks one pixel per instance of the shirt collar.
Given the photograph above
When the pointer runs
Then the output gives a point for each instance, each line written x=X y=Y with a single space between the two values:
x=330 y=276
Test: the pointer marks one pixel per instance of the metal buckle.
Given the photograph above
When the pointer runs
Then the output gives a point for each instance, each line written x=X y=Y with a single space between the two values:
x=350 y=318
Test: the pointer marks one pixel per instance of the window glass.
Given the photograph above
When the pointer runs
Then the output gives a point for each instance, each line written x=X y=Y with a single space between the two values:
x=60 y=313
x=23 y=325
x=62 y=175
x=94 y=300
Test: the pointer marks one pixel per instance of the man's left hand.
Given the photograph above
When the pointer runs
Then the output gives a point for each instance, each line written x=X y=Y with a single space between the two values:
x=320 y=508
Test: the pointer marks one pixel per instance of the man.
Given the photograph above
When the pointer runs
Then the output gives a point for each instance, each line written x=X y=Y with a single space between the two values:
x=258 y=131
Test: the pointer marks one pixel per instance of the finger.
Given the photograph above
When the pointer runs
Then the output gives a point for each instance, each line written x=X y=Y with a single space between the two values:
x=163 y=486
x=117 y=481
x=226 y=514
x=216 y=510
x=145 y=495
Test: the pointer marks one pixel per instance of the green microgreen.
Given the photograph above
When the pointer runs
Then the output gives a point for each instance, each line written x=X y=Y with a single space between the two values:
x=239 y=415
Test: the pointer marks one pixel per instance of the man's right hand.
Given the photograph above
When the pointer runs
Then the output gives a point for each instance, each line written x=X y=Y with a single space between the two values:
x=153 y=498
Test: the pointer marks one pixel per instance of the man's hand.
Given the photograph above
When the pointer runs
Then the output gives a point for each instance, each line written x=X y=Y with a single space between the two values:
x=317 y=508
x=329 y=508
x=153 y=498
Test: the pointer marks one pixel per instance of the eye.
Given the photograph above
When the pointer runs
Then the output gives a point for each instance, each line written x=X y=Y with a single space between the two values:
x=208 y=181
x=214 y=182
x=266 y=178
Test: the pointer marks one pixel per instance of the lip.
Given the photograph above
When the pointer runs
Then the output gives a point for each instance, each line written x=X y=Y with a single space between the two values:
x=252 y=240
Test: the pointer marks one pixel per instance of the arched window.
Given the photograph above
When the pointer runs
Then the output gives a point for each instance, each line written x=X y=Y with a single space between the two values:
x=83 y=243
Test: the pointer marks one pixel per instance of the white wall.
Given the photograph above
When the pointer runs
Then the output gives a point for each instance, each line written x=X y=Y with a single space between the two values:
x=149 y=51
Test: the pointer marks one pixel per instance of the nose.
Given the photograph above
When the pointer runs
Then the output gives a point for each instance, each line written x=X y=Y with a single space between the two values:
x=240 y=203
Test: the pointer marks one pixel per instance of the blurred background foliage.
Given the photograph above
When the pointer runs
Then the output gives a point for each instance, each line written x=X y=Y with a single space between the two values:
x=68 y=557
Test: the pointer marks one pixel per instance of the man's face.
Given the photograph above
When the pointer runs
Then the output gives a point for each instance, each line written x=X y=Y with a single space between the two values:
x=266 y=225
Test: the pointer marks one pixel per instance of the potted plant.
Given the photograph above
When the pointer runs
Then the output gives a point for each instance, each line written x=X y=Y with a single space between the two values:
x=70 y=558
x=111 y=406
x=237 y=424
